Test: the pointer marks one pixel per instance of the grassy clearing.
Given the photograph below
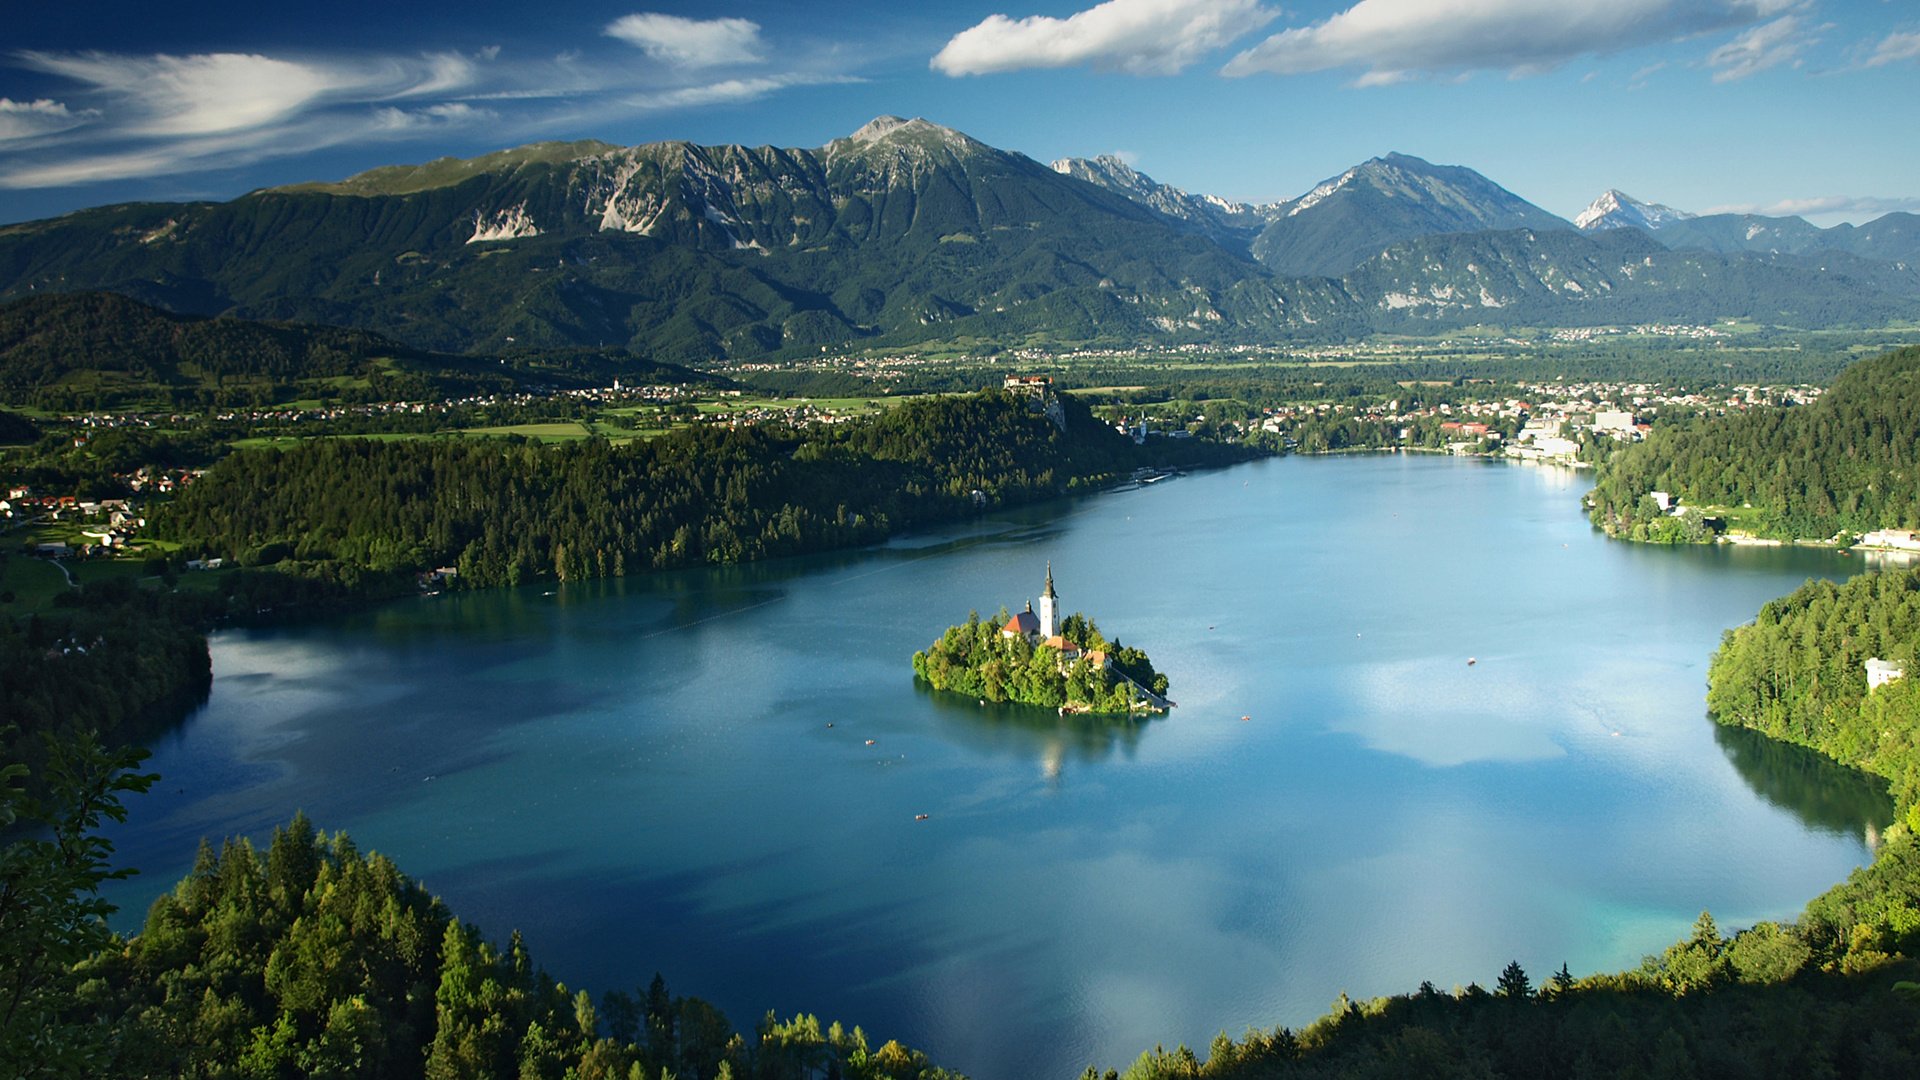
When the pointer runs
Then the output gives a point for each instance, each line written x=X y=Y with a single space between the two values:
x=259 y=441
x=88 y=571
x=32 y=582
x=557 y=431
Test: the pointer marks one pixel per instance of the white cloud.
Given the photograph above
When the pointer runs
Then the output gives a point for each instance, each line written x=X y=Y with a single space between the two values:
x=1756 y=50
x=687 y=42
x=729 y=91
x=1896 y=47
x=1395 y=40
x=91 y=169
x=159 y=115
x=194 y=95
x=446 y=115
x=214 y=93
x=1852 y=206
x=445 y=73
x=1140 y=37
x=25 y=119
x=165 y=115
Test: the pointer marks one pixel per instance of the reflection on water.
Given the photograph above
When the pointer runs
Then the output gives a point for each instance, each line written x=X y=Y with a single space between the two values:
x=1819 y=791
x=727 y=775
x=1033 y=733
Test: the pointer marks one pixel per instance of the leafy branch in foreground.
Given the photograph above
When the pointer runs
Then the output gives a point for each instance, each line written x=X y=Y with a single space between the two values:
x=51 y=913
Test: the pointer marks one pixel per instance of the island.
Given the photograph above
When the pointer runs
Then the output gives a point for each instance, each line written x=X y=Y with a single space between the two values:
x=1039 y=658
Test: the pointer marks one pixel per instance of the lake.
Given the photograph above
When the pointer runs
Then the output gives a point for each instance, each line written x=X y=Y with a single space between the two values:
x=673 y=773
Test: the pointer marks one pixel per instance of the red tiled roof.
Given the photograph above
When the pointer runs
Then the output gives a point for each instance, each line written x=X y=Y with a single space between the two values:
x=1024 y=623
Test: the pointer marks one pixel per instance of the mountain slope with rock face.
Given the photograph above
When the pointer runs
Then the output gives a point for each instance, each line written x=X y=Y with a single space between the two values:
x=1232 y=223
x=903 y=232
x=1386 y=201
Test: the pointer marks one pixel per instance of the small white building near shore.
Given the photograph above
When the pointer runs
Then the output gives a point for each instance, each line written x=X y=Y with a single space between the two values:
x=1896 y=539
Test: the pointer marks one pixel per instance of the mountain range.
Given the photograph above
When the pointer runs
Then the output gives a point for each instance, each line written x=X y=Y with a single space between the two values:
x=1893 y=237
x=907 y=231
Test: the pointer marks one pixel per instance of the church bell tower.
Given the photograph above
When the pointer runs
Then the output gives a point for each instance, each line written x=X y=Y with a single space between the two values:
x=1049 y=608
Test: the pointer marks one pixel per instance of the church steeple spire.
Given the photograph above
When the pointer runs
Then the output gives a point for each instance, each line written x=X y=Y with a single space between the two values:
x=1049 y=607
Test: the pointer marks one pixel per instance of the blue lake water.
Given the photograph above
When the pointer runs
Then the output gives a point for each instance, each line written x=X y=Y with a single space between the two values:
x=672 y=773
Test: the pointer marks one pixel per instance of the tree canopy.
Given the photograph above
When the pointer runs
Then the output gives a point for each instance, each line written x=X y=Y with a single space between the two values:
x=977 y=660
x=504 y=512
x=1849 y=462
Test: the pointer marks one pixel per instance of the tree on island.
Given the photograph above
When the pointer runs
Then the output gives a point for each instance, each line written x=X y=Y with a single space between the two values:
x=1092 y=674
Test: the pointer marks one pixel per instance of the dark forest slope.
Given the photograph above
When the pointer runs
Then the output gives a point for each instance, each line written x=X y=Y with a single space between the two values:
x=1850 y=461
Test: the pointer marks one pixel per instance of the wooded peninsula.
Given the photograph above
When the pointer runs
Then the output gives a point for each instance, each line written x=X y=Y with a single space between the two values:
x=1844 y=465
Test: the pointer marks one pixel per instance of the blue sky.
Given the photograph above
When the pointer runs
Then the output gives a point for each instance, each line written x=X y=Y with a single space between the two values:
x=1776 y=106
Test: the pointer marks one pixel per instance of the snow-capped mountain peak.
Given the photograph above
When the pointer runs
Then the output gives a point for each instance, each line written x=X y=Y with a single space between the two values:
x=1211 y=212
x=1616 y=209
x=1313 y=198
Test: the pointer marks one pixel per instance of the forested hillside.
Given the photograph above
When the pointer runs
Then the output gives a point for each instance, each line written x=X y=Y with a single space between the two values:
x=1849 y=462
x=98 y=350
x=1796 y=673
x=118 y=661
x=505 y=512
x=314 y=959
x=93 y=350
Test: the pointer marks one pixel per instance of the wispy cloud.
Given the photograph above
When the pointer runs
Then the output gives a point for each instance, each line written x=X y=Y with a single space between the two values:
x=1394 y=40
x=99 y=160
x=214 y=93
x=25 y=119
x=1895 y=47
x=730 y=91
x=693 y=43
x=1759 y=48
x=131 y=116
x=447 y=72
x=1862 y=206
x=1139 y=37
x=197 y=95
x=450 y=114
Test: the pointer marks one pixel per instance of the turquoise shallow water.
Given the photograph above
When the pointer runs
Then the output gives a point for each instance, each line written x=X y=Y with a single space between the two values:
x=640 y=775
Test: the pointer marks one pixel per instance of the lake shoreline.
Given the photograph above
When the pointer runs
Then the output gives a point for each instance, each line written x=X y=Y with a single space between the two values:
x=680 y=722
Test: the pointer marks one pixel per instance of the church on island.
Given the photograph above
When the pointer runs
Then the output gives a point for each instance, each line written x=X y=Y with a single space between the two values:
x=1043 y=629
x=1043 y=658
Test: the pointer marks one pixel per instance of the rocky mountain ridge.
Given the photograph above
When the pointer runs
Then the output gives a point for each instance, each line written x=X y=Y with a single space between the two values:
x=903 y=231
